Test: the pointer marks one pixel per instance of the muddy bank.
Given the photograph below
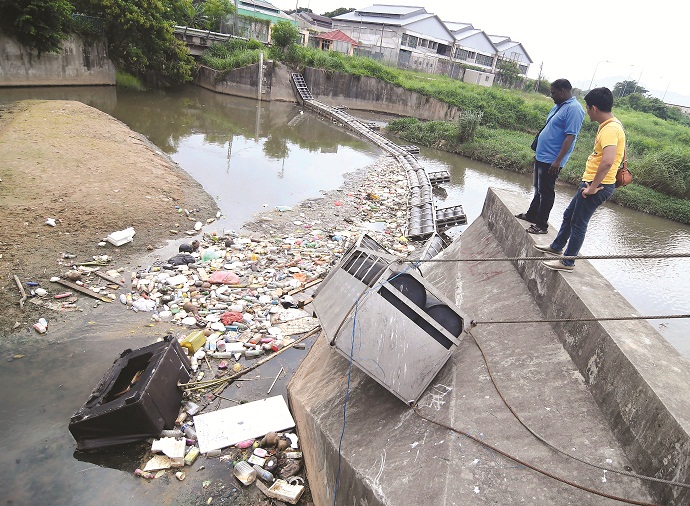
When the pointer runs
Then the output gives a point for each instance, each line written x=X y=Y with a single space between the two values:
x=94 y=176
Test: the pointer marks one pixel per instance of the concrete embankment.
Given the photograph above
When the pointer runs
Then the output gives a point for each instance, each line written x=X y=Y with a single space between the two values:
x=77 y=63
x=335 y=89
x=609 y=393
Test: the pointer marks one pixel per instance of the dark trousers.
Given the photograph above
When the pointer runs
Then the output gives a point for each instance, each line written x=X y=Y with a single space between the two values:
x=544 y=194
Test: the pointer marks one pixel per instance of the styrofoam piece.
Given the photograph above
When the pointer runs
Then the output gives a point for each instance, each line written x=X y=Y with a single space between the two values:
x=121 y=236
x=229 y=426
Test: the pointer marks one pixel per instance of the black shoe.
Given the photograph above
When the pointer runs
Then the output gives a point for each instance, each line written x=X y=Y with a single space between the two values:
x=535 y=229
x=524 y=217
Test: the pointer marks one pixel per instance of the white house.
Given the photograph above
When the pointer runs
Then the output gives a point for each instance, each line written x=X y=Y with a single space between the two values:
x=408 y=36
x=512 y=51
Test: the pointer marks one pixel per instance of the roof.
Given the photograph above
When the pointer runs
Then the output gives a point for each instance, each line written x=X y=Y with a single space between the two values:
x=393 y=10
x=336 y=35
x=396 y=15
x=503 y=44
x=455 y=27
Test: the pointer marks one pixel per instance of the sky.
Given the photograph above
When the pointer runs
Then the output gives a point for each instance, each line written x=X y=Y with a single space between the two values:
x=586 y=41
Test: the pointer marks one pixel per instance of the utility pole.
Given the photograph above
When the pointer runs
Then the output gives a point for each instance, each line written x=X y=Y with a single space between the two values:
x=236 y=16
x=536 y=85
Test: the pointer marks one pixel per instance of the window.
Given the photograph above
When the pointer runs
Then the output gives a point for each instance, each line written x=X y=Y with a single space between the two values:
x=483 y=59
x=325 y=45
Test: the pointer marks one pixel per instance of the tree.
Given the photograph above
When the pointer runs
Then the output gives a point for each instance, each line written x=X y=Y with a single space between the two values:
x=37 y=24
x=140 y=38
x=508 y=71
x=625 y=88
x=284 y=34
x=338 y=12
x=300 y=9
x=216 y=11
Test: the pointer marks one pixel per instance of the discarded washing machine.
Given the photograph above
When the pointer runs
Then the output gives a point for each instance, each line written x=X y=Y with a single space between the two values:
x=396 y=326
x=136 y=399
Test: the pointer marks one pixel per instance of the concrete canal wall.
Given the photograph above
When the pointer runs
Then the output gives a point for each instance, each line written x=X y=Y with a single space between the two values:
x=335 y=89
x=77 y=63
x=613 y=393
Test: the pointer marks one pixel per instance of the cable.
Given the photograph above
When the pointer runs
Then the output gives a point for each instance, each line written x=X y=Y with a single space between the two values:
x=555 y=448
x=474 y=323
x=526 y=464
x=355 y=307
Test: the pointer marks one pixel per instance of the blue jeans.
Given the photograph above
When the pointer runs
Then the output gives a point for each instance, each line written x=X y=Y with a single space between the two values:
x=544 y=194
x=576 y=218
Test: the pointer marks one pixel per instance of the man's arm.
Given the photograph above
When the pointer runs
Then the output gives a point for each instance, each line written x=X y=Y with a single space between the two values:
x=556 y=164
x=607 y=158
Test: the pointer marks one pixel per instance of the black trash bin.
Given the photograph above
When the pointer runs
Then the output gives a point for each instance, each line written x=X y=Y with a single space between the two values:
x=136 y=399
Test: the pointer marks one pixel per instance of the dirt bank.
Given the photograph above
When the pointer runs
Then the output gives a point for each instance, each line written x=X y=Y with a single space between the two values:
x=93 y=175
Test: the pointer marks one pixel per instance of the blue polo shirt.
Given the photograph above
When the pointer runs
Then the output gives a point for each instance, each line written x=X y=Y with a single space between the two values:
x=565 y=120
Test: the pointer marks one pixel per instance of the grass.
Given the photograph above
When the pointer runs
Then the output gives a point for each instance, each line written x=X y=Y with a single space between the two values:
x=497 y=125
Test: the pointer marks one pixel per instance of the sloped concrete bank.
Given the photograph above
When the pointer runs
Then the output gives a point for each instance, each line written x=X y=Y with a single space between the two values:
x=615 y=398
x=335 y=89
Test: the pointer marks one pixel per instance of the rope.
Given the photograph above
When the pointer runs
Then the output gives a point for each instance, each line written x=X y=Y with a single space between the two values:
x=474 y=323
x=528 y=465
x=555 y=448
x=561 y=257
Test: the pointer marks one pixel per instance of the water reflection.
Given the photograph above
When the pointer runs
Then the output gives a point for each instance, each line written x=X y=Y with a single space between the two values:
x=248 y=155
x=652 y=286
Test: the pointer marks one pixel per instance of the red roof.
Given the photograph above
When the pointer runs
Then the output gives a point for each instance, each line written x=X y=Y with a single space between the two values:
x=337 y=35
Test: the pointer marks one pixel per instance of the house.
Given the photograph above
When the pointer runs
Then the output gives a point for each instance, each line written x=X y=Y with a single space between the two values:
x=335 y=41
x=265 y=13
x=408 y=36
x=314 y=22
x=513 y=51
x=473 y=47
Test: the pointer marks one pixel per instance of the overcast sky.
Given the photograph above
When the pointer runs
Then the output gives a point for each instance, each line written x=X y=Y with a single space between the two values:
x=618 y=40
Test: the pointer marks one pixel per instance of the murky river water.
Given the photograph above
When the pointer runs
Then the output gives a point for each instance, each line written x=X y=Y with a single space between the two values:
x=249 y=156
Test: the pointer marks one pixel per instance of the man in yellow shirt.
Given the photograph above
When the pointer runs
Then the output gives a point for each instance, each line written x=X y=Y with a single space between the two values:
x=598 y=181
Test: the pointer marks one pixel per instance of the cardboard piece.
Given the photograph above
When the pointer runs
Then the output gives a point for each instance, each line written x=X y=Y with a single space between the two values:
x=229 y=426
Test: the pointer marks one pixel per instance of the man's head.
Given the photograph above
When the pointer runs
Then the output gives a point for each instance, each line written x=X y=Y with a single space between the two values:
x=561 y=90
x=599 y=102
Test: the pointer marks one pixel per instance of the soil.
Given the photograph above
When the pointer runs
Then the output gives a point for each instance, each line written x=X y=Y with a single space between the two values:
x=94 y=176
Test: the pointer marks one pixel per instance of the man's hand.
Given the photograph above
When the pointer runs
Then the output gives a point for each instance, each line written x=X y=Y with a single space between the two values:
x=555 y=167
x=590 y=190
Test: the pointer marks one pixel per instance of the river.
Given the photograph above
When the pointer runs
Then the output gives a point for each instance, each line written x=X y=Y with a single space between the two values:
x=251 y=155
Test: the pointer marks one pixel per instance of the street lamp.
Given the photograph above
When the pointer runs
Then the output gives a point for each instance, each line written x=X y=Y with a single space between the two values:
x=595 y=71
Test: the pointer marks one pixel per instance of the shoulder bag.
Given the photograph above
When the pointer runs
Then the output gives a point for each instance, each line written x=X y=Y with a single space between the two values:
x=623 y=176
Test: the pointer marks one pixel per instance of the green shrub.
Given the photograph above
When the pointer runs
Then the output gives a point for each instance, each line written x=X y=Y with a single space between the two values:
x=467 y=124
x=666 y=170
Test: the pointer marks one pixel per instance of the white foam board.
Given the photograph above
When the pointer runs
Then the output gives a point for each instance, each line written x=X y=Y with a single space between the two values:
x=229 y=426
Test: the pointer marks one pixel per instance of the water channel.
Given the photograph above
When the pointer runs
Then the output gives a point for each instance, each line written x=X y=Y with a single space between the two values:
x=251 y=155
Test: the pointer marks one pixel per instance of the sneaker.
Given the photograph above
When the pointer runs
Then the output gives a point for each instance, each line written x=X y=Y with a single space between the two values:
x=547 y=249
x=535 y=229
x=557 y=265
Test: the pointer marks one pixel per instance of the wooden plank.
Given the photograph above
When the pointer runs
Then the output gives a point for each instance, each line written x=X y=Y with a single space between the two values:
x=83 y=290
x=109 y=278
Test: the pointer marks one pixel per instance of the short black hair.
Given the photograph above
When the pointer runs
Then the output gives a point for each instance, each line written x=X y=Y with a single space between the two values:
x=562 y=84
x=601 y=97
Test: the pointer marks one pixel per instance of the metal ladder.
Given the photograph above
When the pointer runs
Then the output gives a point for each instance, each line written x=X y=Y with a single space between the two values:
x=301 y=86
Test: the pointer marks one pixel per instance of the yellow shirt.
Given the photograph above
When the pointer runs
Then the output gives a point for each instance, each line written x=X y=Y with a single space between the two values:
x=610 y=133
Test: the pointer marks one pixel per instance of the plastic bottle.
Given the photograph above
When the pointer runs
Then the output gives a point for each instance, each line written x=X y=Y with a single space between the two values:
x=191 y=456
x=244 y=472
x=189 y=431
x=267 y=476
x=176 y=433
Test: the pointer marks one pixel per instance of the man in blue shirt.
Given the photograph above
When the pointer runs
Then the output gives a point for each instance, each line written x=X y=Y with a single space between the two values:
x=555 y=142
